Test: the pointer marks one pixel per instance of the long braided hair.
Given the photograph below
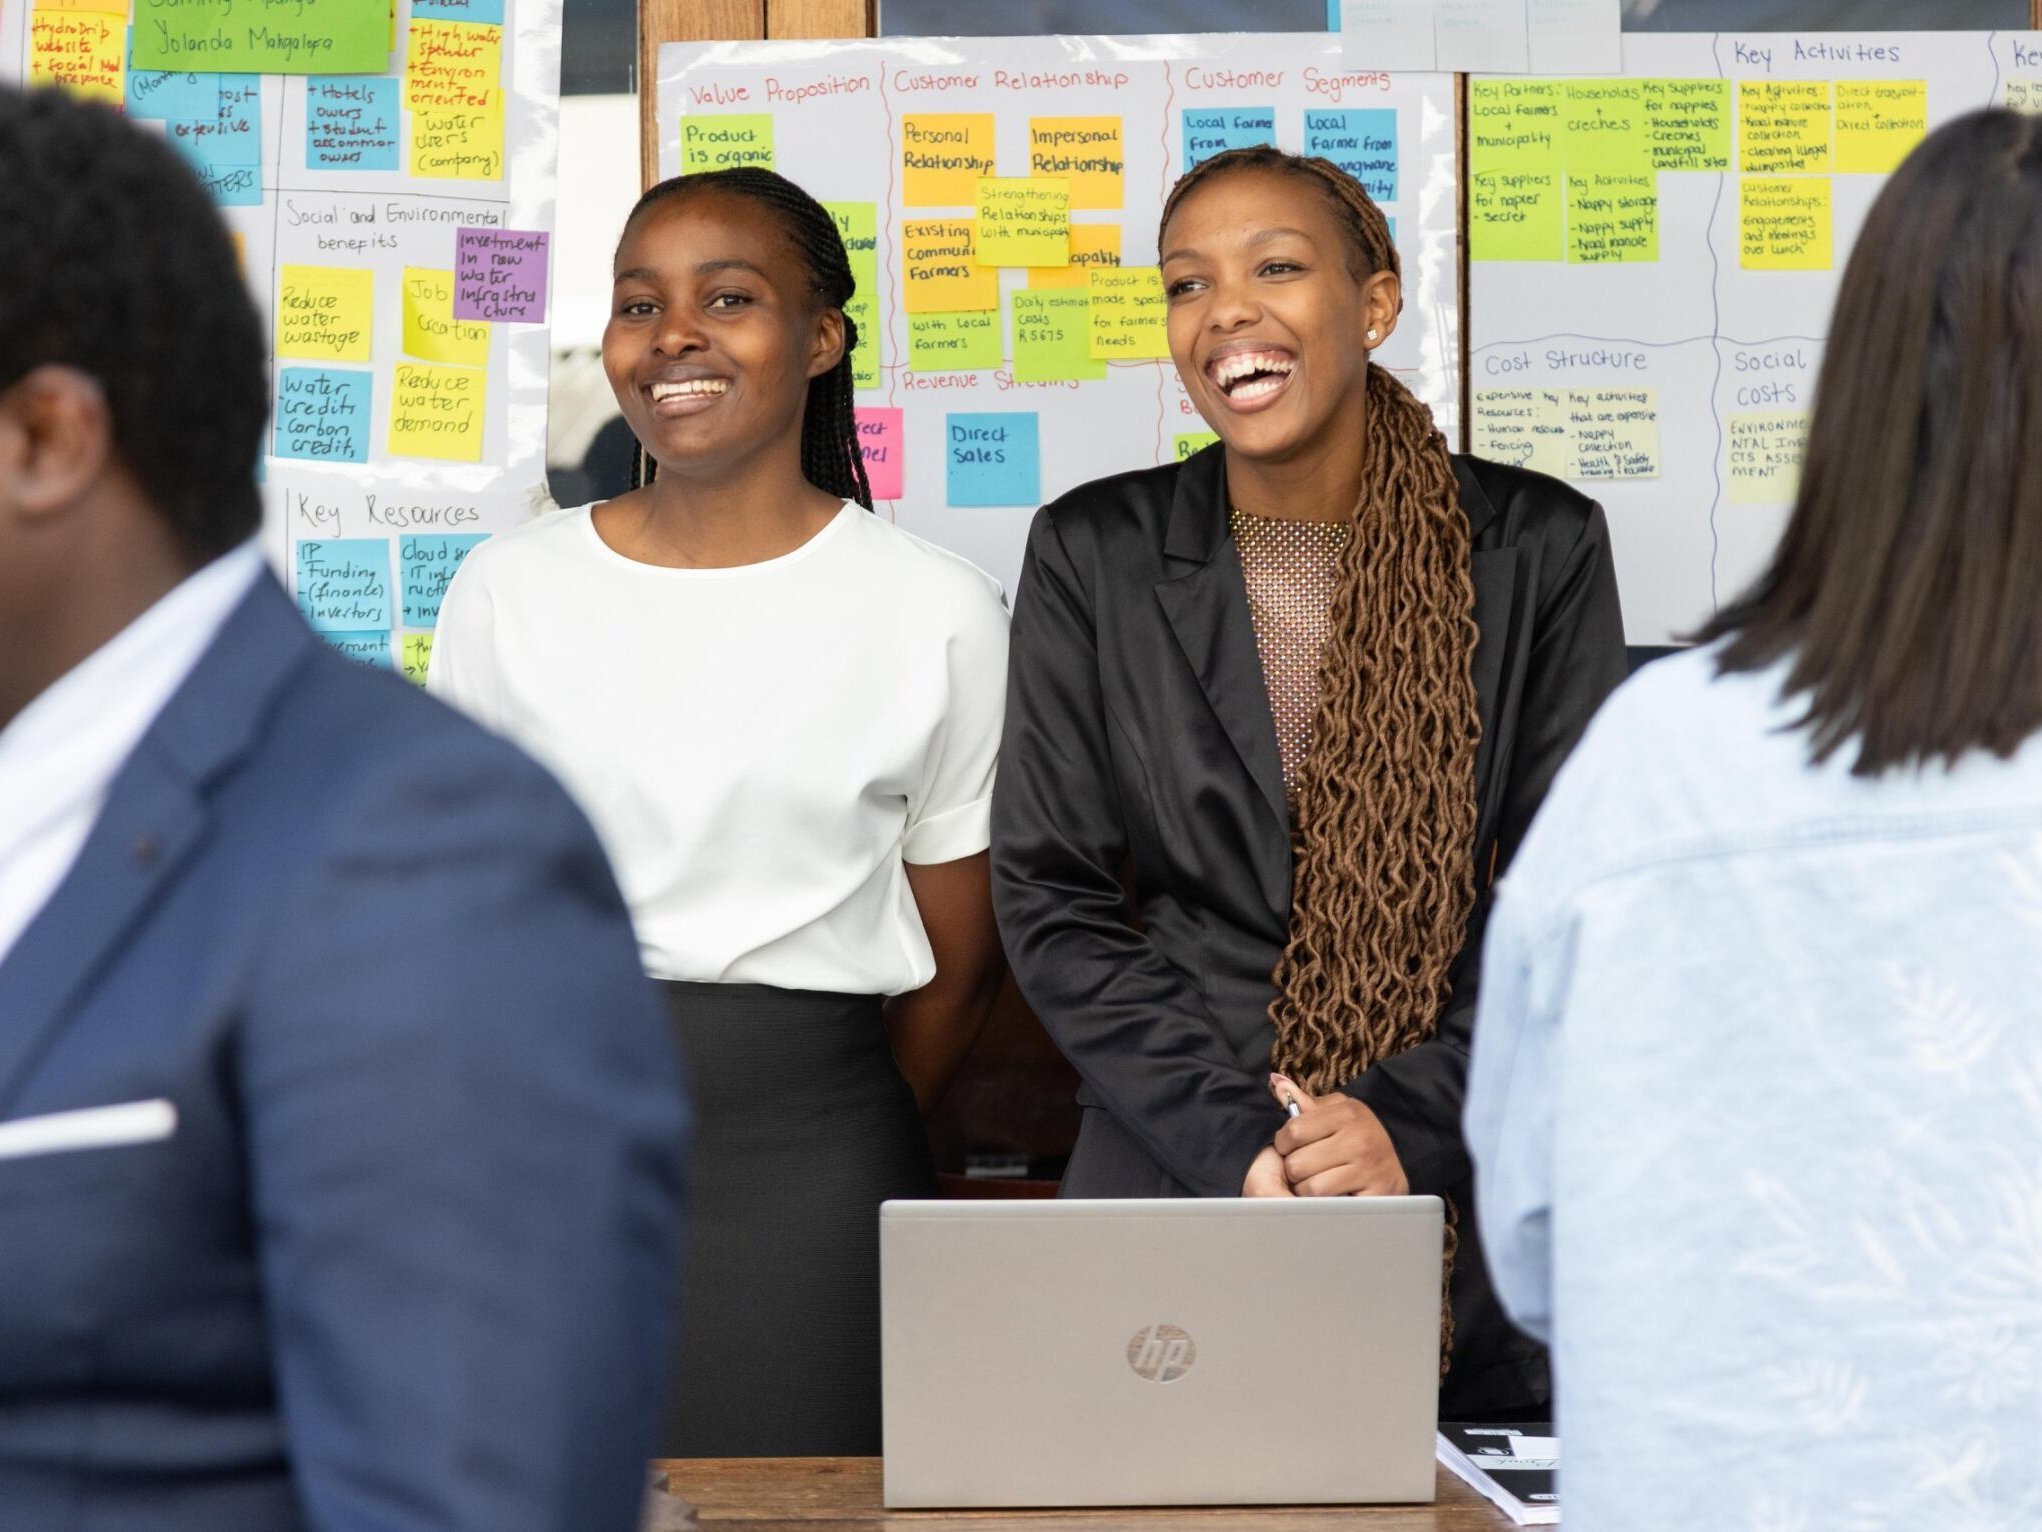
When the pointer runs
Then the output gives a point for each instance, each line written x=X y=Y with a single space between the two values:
x=830 y=459
x=1384 y=830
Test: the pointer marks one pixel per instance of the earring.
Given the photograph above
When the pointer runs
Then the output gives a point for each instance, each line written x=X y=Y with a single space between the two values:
x=1371 y=335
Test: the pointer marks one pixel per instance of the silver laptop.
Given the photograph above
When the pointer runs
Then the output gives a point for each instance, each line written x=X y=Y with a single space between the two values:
x=1189 y=1352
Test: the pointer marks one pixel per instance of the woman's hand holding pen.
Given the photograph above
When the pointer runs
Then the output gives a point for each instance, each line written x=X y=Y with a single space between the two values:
x=1333 y=1146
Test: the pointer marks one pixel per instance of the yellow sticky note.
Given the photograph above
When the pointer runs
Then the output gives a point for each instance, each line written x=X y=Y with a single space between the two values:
x=1612 y=218
x=1614 y=433
x=1023 y=221
x=452 y=63
x=723 y=141
x=1129 y=313
x=2021 y=95
x=1783 y=126
x=938 y=272
x=1606 y=127
x=416 y=657
x=1516 y=157
x=1086 y=151
x=325 y=313
x=1783 y=223
x=965 y=342
x=431 y=332
x=1189 y=442
x=1053 y=336
x=1765 y=457
x=1524 y=427
x=944 y=156
x=1878 y=122
x=1688 y=123
x=1092 y=244
x=459 y=143
x=436 y=412
x=85 y=50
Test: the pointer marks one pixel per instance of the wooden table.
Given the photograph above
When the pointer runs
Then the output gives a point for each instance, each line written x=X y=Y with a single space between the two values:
x=809 y=1493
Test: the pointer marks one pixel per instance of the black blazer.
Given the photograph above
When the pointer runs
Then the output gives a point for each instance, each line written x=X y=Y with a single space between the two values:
x=1139 y=737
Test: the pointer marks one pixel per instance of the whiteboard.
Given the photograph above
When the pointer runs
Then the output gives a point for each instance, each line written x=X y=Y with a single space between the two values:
x=836 y=113
x=1720 y=353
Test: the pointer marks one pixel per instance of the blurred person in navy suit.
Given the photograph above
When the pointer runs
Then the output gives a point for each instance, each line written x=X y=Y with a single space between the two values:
x=340 y=1134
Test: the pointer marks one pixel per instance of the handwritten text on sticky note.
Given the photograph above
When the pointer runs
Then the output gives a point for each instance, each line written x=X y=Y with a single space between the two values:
x=1023 y=221
x=943 y=157
x=331 y=37
x=1053 y=335
x=500 y=275
x=726 y=141
x=992 y=459
x=882 y=444
x=961 y=342
x=351 y=123
x=323 y=414
x=1130 y=319
x=324 y=313
x=429 y=561
x=940 y=271
x=343 y=584
x=1086 y=151
x=437 y=412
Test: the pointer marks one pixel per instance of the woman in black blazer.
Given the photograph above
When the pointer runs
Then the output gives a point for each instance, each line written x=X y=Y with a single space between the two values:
x=1277 y=716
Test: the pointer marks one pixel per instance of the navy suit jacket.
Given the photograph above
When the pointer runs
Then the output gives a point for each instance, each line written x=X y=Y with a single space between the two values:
x=408 y=1260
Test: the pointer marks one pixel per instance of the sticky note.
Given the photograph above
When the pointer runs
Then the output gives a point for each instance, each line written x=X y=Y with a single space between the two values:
x=324 y=313
x=322 y=414
x=343 y=584
x=165 y=95
x=362 y=648
x=85 y=51
x=1783 y=126
x=1129 y=313
x=724 y=141
x=1210 y=130
x=1877 y=123
x=1614 y=433
x=2021 y=95
x=331 y=37
x=431 y=332
x=943 y=156
x=939 y=274
x=1188 y=442
x=1053 y=335
x=1524 y=427
x=417 y=657
x=1092 y=244
x=1765 y=456
x=882 y=443
x=961 y=342
x=1783 y=223
x=992 y=459
x=1362 y=143
x=1687 y=123
x=436 y=412
x=1516 y=152
x=452 y=63
x=428 y=561
x=500 y=276
x=858 y=224
x=225 y=145
x=351 y=123
x=1606 y=127
x=1023 y=221
x=458 y=142
x=1612 y=218
x=1086 y=151
x=490 y=11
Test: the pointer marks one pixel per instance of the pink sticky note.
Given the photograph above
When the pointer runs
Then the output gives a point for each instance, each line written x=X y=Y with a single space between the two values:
x=881 y=442
x=500 y=275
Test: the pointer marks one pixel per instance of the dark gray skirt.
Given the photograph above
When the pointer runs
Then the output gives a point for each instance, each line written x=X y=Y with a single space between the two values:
x=803 y=1126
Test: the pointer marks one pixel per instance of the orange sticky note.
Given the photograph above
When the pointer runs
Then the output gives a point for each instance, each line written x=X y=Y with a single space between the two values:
x=940 y=275
x=1086 y=151
x=943 y=157
x=1092 y=244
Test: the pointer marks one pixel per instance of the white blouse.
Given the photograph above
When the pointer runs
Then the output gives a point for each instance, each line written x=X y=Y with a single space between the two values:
x=762 y=748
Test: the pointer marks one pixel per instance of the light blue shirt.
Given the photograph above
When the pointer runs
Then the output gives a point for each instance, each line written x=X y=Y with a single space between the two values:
x=1756 y=1112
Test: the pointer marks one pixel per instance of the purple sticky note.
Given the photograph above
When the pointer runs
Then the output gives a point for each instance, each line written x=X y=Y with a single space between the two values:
x=881 y=443
x=500 y=275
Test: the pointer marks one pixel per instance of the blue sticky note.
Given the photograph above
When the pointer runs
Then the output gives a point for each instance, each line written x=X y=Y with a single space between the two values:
x=992 y=459
x=323 y=414
x=429 y=562
x=1364 y=144
x=225 y=148
x=343 y=584
x=368 y=647
x=165 y=94
x=1210 y=129
x=489 y=11
x=351 y=123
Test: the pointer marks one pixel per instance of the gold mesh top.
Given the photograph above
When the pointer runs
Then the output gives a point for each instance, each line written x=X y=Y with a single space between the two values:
x=1290 y=567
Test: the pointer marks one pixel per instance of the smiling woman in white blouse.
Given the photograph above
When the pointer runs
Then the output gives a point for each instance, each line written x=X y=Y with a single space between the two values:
x=782 y=714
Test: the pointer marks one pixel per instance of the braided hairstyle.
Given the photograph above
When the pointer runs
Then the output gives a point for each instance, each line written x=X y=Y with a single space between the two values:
x=1384 y=827
x=830 y=459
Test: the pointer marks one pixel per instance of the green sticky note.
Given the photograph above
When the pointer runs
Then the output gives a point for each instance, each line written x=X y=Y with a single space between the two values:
x=235 y=37
x=858 y=225
x=966 y=341
x=1688 y=123
x=1516 y=169
x=1053 y=335
x=1612 y=218
x=1606 y=126
x=1189 y=442
x=722 y=141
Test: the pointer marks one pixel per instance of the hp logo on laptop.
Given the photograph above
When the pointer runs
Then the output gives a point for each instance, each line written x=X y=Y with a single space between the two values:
x=1161 y=1353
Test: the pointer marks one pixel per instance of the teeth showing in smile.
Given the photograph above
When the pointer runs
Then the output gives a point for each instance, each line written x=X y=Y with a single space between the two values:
x=1250 y=374
x=661 y=392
